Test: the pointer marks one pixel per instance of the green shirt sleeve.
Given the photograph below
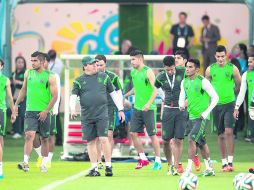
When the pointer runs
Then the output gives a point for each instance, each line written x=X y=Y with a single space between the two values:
x=76 y=88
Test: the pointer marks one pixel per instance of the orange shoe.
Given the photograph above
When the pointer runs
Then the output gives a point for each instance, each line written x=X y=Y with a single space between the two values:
x=224 y=168
x=180 y=168
x=141 y=164
x=197 y=163
x=230 y=167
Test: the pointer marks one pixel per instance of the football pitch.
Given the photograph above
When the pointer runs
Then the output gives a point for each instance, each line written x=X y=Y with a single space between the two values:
x=70 y=175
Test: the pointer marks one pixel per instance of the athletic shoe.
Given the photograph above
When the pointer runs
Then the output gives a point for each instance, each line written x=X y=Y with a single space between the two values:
x=141 y=164
x=100 y=166
x=48 y=165
x=224 y=168
x=23 y=166
x=251 y=170
x=197 y=163
x=93 y=173
x=17 y=136
x=156 y=166
x=108 y=171
x=208 y=172
x=133 y=152
x=173 y=171
x=230 y=167
x=1 y=176
x=180 y=168
x=43 y=169
x=39 y=161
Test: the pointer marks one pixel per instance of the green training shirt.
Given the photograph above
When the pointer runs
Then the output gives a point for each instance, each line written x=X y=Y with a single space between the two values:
x=3 y=81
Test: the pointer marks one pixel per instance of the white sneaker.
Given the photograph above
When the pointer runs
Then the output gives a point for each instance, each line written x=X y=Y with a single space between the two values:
x=43 y=169
x=16 y=136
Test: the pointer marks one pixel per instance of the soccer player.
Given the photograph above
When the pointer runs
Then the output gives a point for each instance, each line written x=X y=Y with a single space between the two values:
x=247 y=84
x=251 y=114
x=41 y=91
x=143 y=80
x=226 y=79
x=5 y=90
x=197 y=90
x=53 y=129
x=173 y=120
x=92 y=87
x=112 y=110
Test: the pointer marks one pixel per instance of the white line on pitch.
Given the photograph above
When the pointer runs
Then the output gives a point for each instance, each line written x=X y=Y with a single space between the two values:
x=60 y=182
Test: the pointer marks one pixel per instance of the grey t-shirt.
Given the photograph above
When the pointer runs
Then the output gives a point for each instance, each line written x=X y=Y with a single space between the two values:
x=93 y=90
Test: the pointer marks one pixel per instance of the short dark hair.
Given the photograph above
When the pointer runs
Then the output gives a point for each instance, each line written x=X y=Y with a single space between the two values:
x=183 y=13
x=221 y=48
x=181 y=53
x=47 y=58
x=101 y=57
x=196 y=62
x=39 y=55
x=205 y=17
x=169 y=61
x=52 y=54
x=1 y=62
x=137 y=52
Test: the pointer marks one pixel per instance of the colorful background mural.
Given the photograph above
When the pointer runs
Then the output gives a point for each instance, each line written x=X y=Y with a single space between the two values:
x=76 y=28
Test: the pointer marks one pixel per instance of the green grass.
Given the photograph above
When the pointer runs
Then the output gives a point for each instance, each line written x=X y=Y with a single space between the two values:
x=125 y=176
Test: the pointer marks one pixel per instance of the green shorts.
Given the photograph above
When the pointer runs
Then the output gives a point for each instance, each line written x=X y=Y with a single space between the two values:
x=2 y=122
x=53 y=129
x=196 y=131
x=112 y=117
x=92 y=129
x=33 y=124
x=140 y=119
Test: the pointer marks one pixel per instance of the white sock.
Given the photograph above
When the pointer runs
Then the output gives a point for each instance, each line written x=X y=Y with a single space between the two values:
x=157 y=159
x=230 y=159
x=44 y=161
x=38 y=151
x=26 y=159
x=1 y=168
x=142 y=156
x=207 y=164
x=173 y=160
x=189 y=165
x=95 y=166
x=108 y=164
x=50 y=156
x=224 y=161
x=132 y=147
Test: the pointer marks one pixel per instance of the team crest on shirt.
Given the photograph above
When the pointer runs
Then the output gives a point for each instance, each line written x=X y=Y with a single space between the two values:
x=178 y=78
x=42 y=81
x=99 y=80
x=227 y=74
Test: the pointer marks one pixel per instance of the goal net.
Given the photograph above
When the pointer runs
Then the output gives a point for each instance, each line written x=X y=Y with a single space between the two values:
x=119 y=64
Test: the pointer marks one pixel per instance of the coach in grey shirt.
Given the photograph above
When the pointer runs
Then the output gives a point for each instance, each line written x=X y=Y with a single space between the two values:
x=210 y=35
x=92 y=88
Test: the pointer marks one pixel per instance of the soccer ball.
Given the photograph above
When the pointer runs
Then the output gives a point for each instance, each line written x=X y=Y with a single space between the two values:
x=188 y=181
x=244 y=181
x=237 y=180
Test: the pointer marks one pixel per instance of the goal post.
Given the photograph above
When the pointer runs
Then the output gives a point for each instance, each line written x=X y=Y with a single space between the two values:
x=120 y=64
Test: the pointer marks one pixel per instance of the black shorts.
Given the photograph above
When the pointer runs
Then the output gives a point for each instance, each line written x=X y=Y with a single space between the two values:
x=223 y=117
x=173 y=124
x=141 y=118
x=91 y=129
x=112 y=117
x=33 y=124
x=2 y=122
x=53 y=129
x=196 y=131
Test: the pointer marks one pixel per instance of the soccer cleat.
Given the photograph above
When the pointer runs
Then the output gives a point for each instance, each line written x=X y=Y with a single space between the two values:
x=108 y=171
x=230 y=167
x=132 y=152
x=48 y=165
x=23 y=166
x=180 y=168
x=156 y=166
x=173 y=171
x=141 y=164
x=197 y=163
x=100 y=166
x=43 y=169
x=251 y=170
x=1 y=176
x=93 y=173
x=39 y=161
x=208 y=172
x=224 y=168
